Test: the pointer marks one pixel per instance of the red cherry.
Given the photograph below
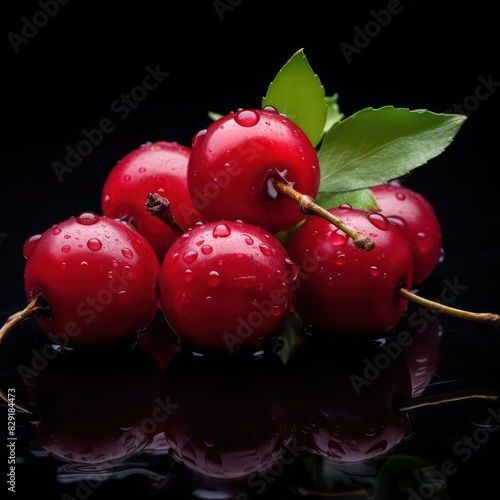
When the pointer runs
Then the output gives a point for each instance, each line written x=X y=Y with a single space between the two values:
x=91 y=281
x=342 y=289
x=158 y=167
x=234 y=160
x=226 y=286
x=416 y=218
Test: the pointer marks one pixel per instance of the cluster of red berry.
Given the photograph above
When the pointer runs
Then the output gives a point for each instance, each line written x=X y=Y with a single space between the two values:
x=195 y=233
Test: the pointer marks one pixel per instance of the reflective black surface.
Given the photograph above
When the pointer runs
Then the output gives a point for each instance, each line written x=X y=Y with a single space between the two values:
x=314 y=418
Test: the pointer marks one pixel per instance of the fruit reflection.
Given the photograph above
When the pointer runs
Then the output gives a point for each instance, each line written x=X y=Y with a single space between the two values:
x=230 y=421
x=350 y=395
x=96 y=407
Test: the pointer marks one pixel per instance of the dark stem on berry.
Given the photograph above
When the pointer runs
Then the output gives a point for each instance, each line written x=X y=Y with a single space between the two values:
x=489 y=318
x=36 y=305
x=308 y=206
x=423 y=402
x=160 y=207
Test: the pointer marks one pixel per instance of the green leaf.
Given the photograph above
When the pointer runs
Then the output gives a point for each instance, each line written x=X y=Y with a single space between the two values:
x=374 y=146
x=333 y=112
x=214 y=115
x=360 y=198
x=297 y=92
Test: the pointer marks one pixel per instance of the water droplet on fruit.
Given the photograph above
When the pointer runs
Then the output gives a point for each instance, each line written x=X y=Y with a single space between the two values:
x=65 y=249
x=56 y=231
x=67 y=236
x=248 y=239
x=200 y=242
x=127 y=253
x=188 y=275
x=206 y=249
x=30 y=244
x=198 y=138
x=379 y=221
x=142 y=169
x=63 y=265
x=338 y=238
x=374 y=271
x=265 y=249
x=213 y=278
x=246 y=118
x=398 y=221
x=84 y=263
x=209 y=302
x=94 y=244
x=424 y=242
x=221 y=231
x=340 y=259
x=190 y=257
x=126 y=178
x=292 y=270
x=87 y=218
x=272 y=109
x=400 y=196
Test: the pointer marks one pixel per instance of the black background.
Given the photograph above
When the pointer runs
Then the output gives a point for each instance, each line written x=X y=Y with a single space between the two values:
x=64 y=78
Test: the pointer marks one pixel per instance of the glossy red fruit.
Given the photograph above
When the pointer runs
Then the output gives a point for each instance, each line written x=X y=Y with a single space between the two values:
x=226 y=287
x=233 y=160
x=416 y=218
x=98 y=276
x=157 y=167
x=342 y=289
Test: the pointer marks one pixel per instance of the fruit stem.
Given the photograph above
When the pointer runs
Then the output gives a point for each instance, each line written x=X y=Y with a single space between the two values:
x=160 y=207
x=423 y=402
x=37 y=304
x=308 y=206
x=490 y=318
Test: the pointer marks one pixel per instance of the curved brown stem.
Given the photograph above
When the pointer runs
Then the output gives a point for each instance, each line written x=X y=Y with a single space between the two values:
x=37 y=304
x=160 y=207
x=490 y=318
x=308 y=206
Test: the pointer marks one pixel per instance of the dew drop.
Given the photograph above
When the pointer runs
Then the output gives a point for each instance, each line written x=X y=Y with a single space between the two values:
x=126 y=178
x=346 y=206
x=84 y=263
x=424 y=242
x=374 y=271
x=198 y=138
x=30 y=244
x=56 y=231
x=127 y=253
x=340 y=259
x=265 y=249
x=188 y=275
x=221 y=231
x=206 y=249
x=67 y=236
x=63 y=265
x=398 y=221
x=213 y=460
x=200 y=242
x=400 y=196
x=94 y=244
x=291 y=269
x=246 y=118
x=338 y=238
x=87 y=218
x=272 y=109
x=190 y=257
x=65 y=249
x=213 y=278
x=142 y=169
x=248 y=239
x=379 y=221
x=209 y=302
